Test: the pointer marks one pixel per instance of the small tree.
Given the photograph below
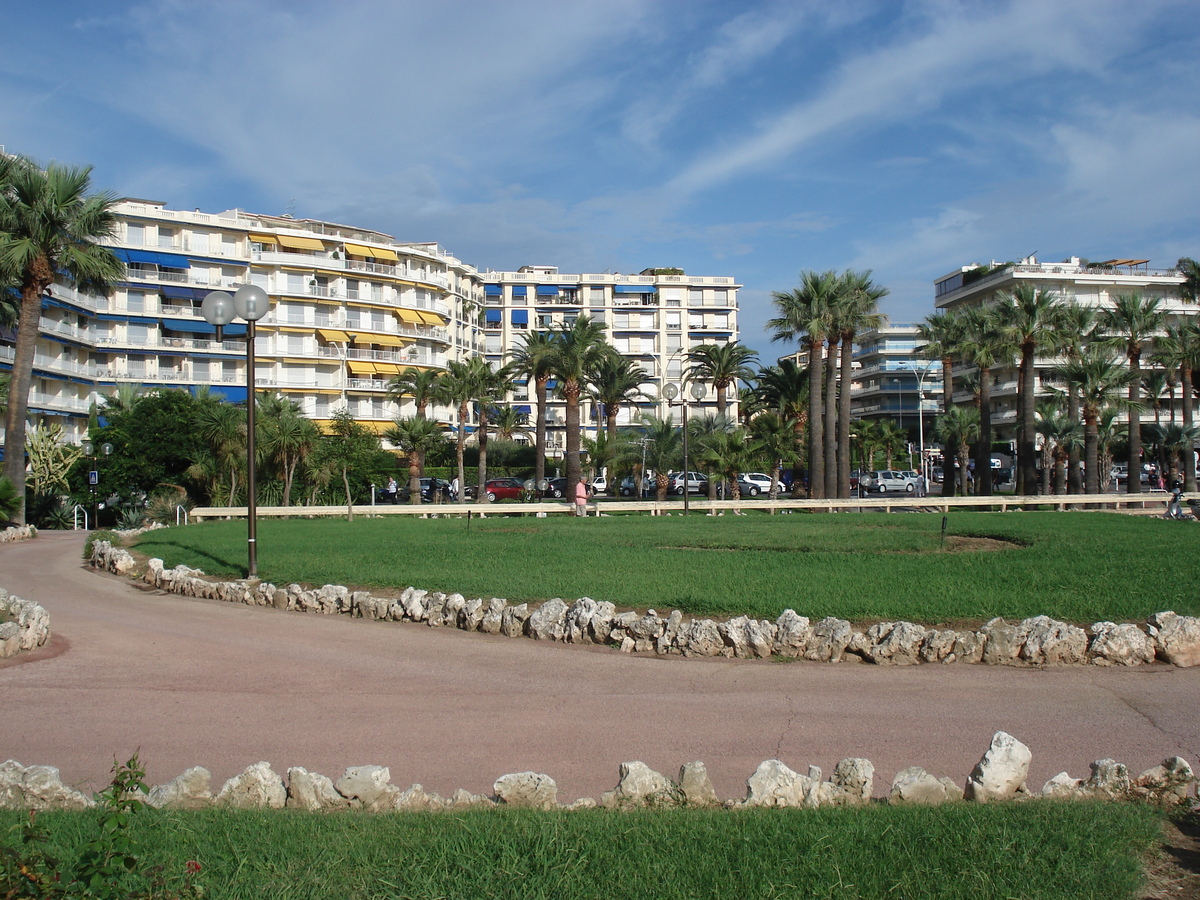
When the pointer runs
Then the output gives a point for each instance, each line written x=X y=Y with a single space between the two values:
x=416 y=436
x=350 y=446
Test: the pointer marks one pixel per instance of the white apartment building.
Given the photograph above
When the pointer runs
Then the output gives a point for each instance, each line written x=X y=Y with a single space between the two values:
x=892 y=380
x=350 y=308
x=1074 y=280
x=654 y=318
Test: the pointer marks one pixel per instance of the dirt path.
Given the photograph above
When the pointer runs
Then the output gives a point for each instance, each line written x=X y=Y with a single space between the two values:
x=205 y=683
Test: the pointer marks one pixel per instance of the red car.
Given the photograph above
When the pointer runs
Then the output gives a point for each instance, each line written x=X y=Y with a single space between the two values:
x=504 y=488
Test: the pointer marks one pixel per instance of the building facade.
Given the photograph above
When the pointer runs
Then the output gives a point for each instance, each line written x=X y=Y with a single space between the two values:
x=892 y=379
x=349 y=309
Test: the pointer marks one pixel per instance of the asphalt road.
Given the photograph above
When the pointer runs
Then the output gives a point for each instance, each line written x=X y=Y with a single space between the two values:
x=191 y=682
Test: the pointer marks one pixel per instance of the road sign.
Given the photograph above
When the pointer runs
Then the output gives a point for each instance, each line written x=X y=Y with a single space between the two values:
x=93 y=477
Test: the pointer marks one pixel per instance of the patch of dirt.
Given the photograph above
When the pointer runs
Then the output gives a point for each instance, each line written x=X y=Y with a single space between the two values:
x=1172 y=869
x=959 y=543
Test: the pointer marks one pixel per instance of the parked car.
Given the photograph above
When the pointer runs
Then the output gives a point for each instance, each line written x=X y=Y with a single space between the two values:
x=430 y=489
x=504 y=488
x=886 y=480
x=555 y=488
x=751 y=484
x=694 y=483
x=600 y=484
x=628 y=486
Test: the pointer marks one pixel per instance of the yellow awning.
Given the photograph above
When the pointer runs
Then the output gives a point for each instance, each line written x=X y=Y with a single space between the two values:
x=429 y=318
x=263 y=238
x=387 y=369
x=411 y=316
x=360 y=367
x=385 y=340
x=331 y=335
x=300 y=243
x=360 y=250
x=385 y=253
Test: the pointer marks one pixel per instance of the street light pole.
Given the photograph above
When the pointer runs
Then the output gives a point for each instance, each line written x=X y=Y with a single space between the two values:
x=671 y=391
x=249 y=302
x=921 y=373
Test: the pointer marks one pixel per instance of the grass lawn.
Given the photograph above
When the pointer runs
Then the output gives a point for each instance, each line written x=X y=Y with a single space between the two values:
x=1082 y=567
x=1037 y=851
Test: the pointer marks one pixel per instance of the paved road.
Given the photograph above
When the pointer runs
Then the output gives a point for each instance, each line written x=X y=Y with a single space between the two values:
x=193 y=682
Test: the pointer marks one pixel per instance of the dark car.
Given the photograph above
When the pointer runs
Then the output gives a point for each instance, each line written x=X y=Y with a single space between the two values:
x=504 y=488
x=555 y=488
x=433 y=490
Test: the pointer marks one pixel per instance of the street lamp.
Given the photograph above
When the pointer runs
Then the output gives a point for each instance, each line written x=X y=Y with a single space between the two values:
x=671 y=391
x=920 y=373
x=249 y=302
x=89 y=450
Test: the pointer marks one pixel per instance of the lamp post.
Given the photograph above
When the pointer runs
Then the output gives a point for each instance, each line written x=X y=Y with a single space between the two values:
x=89 y=450
x=249 y=302
x=921 y=373
x=671 y=391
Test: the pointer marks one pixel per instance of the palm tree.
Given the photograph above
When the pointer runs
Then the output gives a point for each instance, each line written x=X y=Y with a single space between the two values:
x=1029 y=316
x=804 y=314
x=856 y=311
x=423 y=385
x=1058 y=434
x=891 y=438
x=415 y=436
x=285 y=436
x=491 y=385
x=577 y=347
x=985 y=346
x=533 y=359
x=1135 y=320
x=507 y=423
x=729 y=454
x=615 y=381
x=958 y=429
x=1182 y=350
x=458 y=387
x=1189 y=291
x=776 y=437
x=723 y=365
x=1097 y=379
x=222 y=427
x=750 y=403
x=50 y=227
x=705 y=431
x=944 y=335
x=1076 y=328
x=784 y=389
x=664 y=444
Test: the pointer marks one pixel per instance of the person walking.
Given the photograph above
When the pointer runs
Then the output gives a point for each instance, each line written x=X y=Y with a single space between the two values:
x=581 y=497
x=454 y=489
x=922 y=487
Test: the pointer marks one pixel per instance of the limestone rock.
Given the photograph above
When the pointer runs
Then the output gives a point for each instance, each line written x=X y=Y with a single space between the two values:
x=1052 y=643
x=696 y=787
x=471 y=615
x=895 y=643
x=915 y=786
x=366 y=786
x=312 y=791
x=968 y=646
x=1109 y=779
x=700 y=637
x=333 y=599
x=938 y=646
x=190 y=790
x=829 y=640
x=747 y=638
x=851 y=783
x=639 y=785
x=1177 y=638
x=526 y=789
x=1120 y=645
x=1001 y=773
x=792 y=632
x=255 y=788
x=464 y=799
x=546 y=623
x=1003 y=643
x=581 y=803
x=37 y=787
x=775 y=785
x=413 y=603
x=417 y=799
x=1166 y=784
x=1063 y=787
x=493 y=616
x=512 y=621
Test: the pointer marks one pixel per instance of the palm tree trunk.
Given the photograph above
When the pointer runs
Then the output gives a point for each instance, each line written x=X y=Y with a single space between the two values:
x=843 y=436
x=983 y=451
x=482 y=436
x=1189 y=455
x=461 y=443
x=1027 y=452
x=414 y=479
x=539 y=440
x=18 y=394
x=722 y=388
x=816 y=431
x=571 y=395
x=1073 y=483
x=1060 y=474
x=831 y=418
x=949 y=460
x=1133 y=484
x=1091 y=456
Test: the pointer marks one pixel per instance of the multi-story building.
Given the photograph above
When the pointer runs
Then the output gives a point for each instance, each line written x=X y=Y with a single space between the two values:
x=892 y=380
x=654 y=318
x=1074 y=280
x=350 y=308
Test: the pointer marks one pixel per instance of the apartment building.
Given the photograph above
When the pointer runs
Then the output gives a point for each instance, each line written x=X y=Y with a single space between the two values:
x=654 y=318
x=1074 y=280
x=892 y=380
x=350 y=308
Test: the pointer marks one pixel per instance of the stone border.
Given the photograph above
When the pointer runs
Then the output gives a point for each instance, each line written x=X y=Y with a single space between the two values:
x=18 y=533
x=29 y=629
x=1039 y=641
x=999 y=775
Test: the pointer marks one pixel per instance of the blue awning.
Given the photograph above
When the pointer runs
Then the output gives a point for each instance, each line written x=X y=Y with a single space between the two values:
x=520 y=317
x=492 y=290
x=182 y=293
x=493 y=316
x=520 y=291
x=634 y=289
x=547 y=290
x=523 y=409
x=199 y=326
x=231 y=393
x=136 y=320
x=170 y=260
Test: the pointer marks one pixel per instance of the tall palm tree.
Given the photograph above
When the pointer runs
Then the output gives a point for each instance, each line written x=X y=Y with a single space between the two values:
x=615 y=380
x=705 y=431
x=1098 y=380
x=804 y=314
x=50 y=227
x=415 y=436
x=491 y=385
x=986 y=346
x=776 y=436
x=857 y=310
x=420 y=384
x=784 y=389
x=1058 y=434
x=729 y=454
x=507 y=423
x=534 y=360
x=664 y=449
x=458 y=388
x=577 y=347
x=958 y=429
x=944 y=336
x=1134 y=321
x=723 y=365
x=1182 y=348
x=1029 y=315
x=1076 y=328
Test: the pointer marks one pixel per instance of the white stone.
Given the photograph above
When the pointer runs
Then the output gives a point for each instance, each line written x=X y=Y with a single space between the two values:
x=1002 y=771
x=773 y=784
x=312 y=791
x=696 y=787
x=255 y=788
x=526 y=789
x=639 y=785
x=1122 y=645
x=1177 y=638
x=915 y=786
x=190 y=790
x=37 y=787
x=364 y=784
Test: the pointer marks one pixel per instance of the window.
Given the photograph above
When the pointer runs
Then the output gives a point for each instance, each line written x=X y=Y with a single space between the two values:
x=166 y=238
x=199 y=242
x=295 y=344
x=135 y=235
x=295 y=282
x=135 y=301
x=352 y=288
x=696 y=296
x=596 y=294
x=259 y=279
x=137 y=333
x=674 y=321
x=720 y=297
x=493 y=344
x=377 y=293
x=228 y=245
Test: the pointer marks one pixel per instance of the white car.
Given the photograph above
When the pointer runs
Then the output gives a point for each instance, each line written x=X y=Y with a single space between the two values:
x=600 y=484
x=892 y=480
x=751 y=484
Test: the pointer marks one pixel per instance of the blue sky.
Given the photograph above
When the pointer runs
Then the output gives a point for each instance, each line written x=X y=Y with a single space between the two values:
x=752 y=139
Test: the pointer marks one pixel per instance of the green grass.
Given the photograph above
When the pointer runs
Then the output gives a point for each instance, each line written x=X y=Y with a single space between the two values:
x=1080 y=567
x=1038 y=851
